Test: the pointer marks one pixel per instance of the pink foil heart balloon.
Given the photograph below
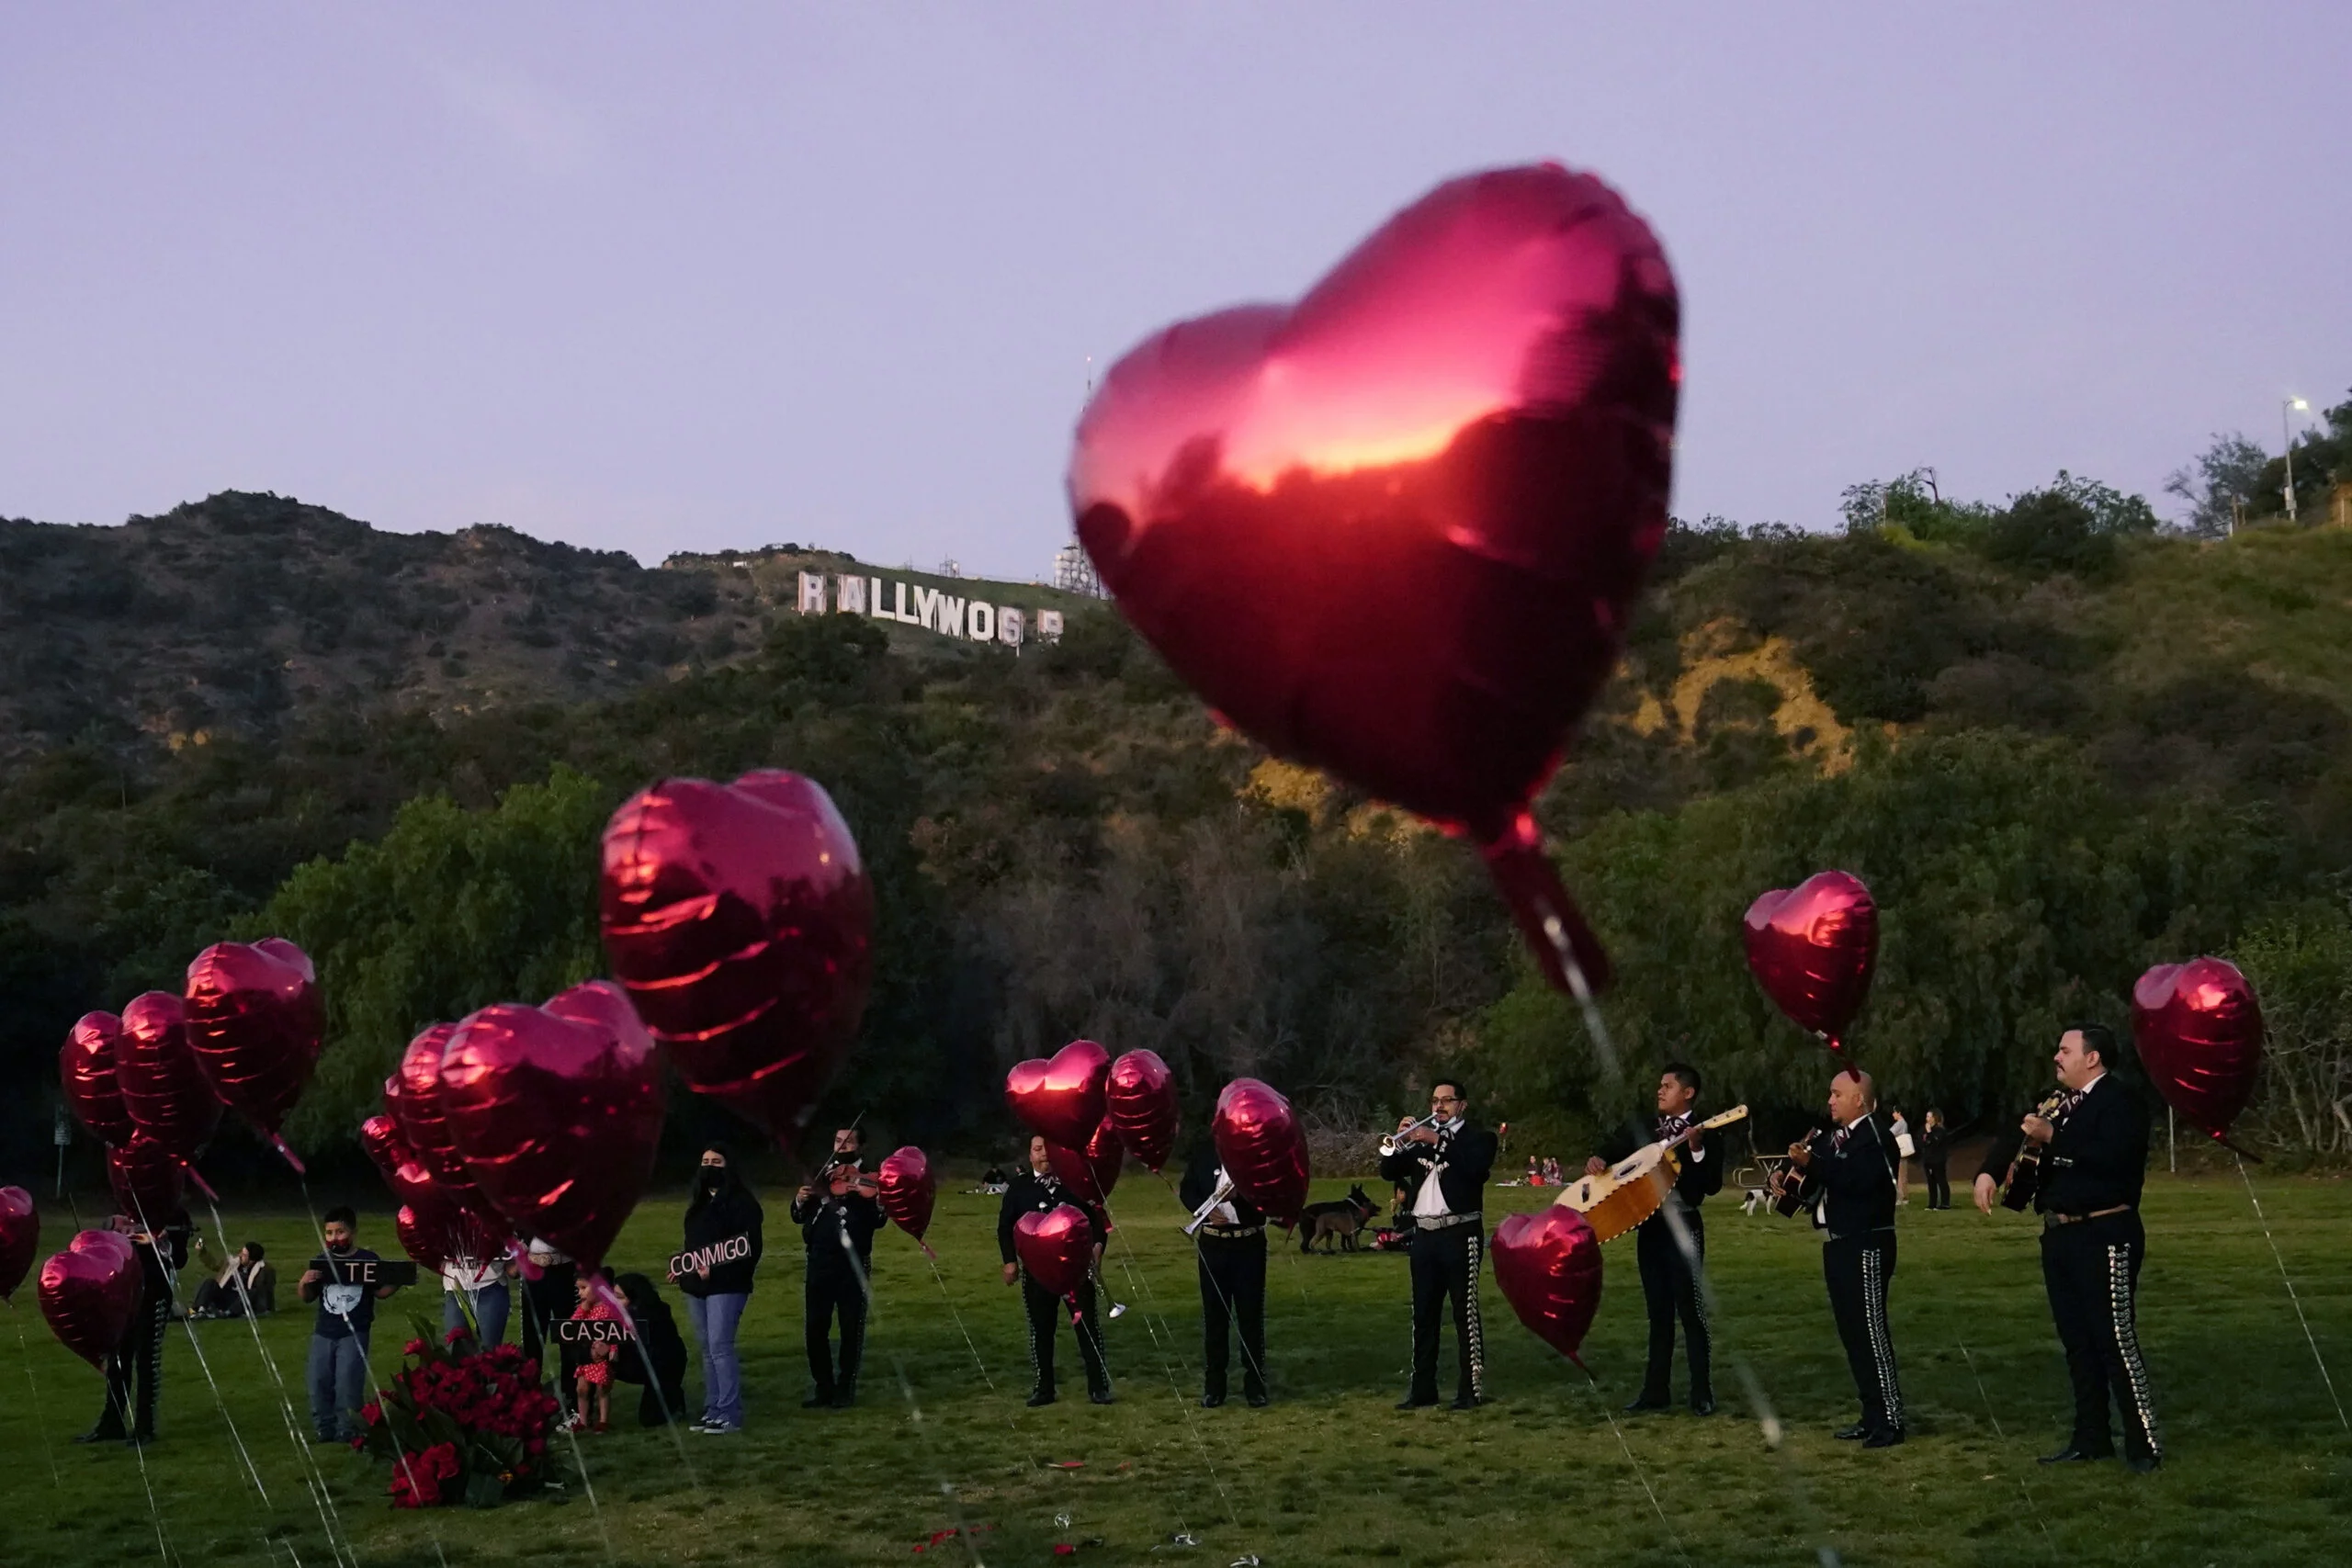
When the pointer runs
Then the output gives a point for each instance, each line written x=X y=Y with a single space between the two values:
x=1395 y=530
x=19 y=1238
x=166 y=1093
x=1259 y=1145
x=438 y=1231
x=85 y=1070
x=88 y=1292
x=1056 y=1247
x=255 y=1021
x=381 y=1139
x=1063 y=1099
x=2198 y=1029
x=1141 y=1095
x=907 y=1191
x=1548 y=1264
x=416 y=1107
x=149 y=1183
x=740 y=920
x=1092 y=1172
x=558 y=1112
x=1813 y=948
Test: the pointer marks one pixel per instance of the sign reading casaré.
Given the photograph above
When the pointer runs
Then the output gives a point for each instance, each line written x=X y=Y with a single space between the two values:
x=932 y=609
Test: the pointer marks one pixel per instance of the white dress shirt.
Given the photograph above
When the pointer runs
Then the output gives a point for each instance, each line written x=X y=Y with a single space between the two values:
x=1429 y=1202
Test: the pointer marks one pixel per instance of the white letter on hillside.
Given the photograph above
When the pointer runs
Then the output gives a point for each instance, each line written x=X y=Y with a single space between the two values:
x=812 y=594
x=949 y=616
x=1049 y=625
x=898 y=604
x=980 y=620
x=874 y=599
x=926 y=606
x=849 y=595
x=1008 y=627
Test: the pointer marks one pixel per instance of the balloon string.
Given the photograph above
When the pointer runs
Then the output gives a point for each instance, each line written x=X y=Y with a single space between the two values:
x=1593 y=1386
x=613 y=1299
x=569 y=1428
x=40 y=1421
x=138 y=1451
x=196 y=1343
x=313 y=1477
x=2030 y=1500
x=1200 y=1259
x=2317 y=1358
x=968 y=1344
x=1169 y=1361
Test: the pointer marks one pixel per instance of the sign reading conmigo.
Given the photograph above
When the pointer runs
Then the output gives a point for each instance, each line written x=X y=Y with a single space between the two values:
x=932 y=609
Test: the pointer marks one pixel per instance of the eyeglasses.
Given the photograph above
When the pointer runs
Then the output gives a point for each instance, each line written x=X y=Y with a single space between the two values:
x=1445 y=1100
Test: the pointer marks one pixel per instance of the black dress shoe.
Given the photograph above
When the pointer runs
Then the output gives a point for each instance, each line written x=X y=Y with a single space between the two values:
x=2070 y=1454
x=1102 y=1396
x=1882 y=1440
x=1255 y=1401
x=816 y=1402
x=1853 y=1434
x=845 y=1398
x=1416 y=1402
x=1043 y=1397
x=1468 y=1402
x=1210 y=1401
x=1702 y=1406
x=1643 y=1401
x=2143 y=1464
x=103 y=1432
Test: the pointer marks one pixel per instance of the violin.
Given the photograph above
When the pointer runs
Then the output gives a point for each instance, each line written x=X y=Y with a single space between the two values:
x=839 y=1180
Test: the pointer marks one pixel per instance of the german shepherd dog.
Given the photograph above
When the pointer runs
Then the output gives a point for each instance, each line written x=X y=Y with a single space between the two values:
x=1342 y=1219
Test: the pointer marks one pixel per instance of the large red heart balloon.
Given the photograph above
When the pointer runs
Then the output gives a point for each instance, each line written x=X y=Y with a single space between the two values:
x=380 y=1138
x=1062 y=1100
x=1141 y=1095
x=1548 y=1264
x=436 y=1233
x=417 y=1109
x=558 y=1112
x=254 y=1019
x=740 y=920
x=907 y=1190
x=2200 y=1033
x=86 y=1069
x=1057 y=1246
x=1813 y=948
x=19 y=1238
x=1091 y=1171
x=1395 y=530
x=88 y=1292
x=164 y=1091
x=148 y=1180
x=1259 y=1145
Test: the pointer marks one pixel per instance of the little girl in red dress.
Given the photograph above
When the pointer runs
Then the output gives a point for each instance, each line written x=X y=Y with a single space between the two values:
x=595 y=1376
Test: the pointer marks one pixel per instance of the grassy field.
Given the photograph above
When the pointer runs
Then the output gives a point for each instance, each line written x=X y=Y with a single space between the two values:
x=2260 y=1472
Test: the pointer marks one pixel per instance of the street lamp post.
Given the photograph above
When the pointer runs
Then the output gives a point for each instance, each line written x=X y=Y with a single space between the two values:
x=2287 y=407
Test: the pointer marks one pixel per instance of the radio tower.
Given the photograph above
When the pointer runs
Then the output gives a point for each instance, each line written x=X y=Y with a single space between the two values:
x=1073 y=573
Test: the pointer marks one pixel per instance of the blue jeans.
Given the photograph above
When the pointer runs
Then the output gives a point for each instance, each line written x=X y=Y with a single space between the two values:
x=715 y=1318
x=490 y=1304
x=339 y=1376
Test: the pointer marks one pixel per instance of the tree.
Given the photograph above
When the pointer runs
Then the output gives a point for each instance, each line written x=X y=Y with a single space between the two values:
x=2226 y=476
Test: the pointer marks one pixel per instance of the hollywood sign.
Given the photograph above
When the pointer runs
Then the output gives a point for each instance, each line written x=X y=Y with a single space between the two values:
x=932 y=609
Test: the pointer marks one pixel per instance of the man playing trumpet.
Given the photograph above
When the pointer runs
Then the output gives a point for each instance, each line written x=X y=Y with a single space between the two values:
x=1445 y=1161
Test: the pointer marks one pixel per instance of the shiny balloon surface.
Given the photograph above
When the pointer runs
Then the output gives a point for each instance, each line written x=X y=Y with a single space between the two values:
x=1548 y=1265
x=1141 y=1095
x=907 y=1190
x=1093 y=1170
x=2198 y=1029
x=88 y=1292
x=1395 y=529
x=1813 y=947
x=1056 y=1247
x=423 y=1124
x=558 y=1112
x=256 y=1020
x=147 y=1179
x=168 y=1097
x=1063 y=1098
x=740 y=920
x=85 y=1070
x=19 y=1238
x=1260 y=1145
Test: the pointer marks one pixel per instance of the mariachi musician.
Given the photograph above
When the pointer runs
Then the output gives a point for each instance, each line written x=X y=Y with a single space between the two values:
x=1669 y=1284
x=1444 y=1161
x=1849 y=1174
x=837 y=1213
x=2094 y=1156
x=1232 y=1245
x=1037 y=1189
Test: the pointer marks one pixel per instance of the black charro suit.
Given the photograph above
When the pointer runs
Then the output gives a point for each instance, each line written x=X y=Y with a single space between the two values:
x=1447 y=1250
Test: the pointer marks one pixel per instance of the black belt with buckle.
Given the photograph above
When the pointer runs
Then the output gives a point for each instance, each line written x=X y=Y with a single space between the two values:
x=1232 y=1232
x=2052 y=1222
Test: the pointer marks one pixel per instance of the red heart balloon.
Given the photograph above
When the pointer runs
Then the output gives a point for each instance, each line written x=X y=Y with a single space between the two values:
x=1395 y=530
x=1093 y=1170
x=1813 y=948
x=149 y=1182
x=437 y=1232
x=164 y=1091
x=1057 y=1246
x=416 y=1107
x=86 y=1068
x=907 y=1190
x=381 y=1137
x=1548 y=1264
x=1259 y=1145
x=254 y=1019
x=1062 y=1100
x=2200 y=1033
x=19 y=1238
x=558 y=1112
x=740 y=920
x=1141 y=1095
x=88 y=1292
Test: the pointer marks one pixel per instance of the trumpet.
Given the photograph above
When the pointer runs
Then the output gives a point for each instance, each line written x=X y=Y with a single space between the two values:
x=1200 y=1215
x=1392 y=1142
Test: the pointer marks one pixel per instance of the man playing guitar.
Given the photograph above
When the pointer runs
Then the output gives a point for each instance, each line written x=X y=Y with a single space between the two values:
x=1669 y=1285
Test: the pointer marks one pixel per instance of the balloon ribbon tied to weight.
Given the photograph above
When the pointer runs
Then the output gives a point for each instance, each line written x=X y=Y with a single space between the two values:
x=1395 y=530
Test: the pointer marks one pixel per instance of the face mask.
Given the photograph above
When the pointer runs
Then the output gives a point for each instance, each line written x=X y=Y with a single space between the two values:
x=711 y=1178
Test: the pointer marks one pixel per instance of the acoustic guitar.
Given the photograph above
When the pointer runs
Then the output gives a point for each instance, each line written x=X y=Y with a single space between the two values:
x=1635 y=1187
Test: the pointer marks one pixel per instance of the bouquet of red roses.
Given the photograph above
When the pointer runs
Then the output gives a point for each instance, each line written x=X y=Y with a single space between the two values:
x=461 y=1424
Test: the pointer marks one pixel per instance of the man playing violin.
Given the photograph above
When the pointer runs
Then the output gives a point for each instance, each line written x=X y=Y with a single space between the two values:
x=1669 y=1281
x=838 y=1214
x=2094 y=1158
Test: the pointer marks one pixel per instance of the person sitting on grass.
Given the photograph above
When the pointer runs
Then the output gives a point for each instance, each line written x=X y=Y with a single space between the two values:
x=218 y=1296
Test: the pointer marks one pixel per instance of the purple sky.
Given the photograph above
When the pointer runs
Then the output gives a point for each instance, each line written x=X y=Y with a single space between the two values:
x=692 y=277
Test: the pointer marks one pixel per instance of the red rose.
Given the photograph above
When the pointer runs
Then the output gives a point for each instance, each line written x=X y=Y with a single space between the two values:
x=370 y=1414
x=413 y=1348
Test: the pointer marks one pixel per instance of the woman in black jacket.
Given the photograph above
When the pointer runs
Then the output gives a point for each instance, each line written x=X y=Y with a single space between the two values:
x=658 y=1346
x=714 y=1270
x=1935 y=1158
